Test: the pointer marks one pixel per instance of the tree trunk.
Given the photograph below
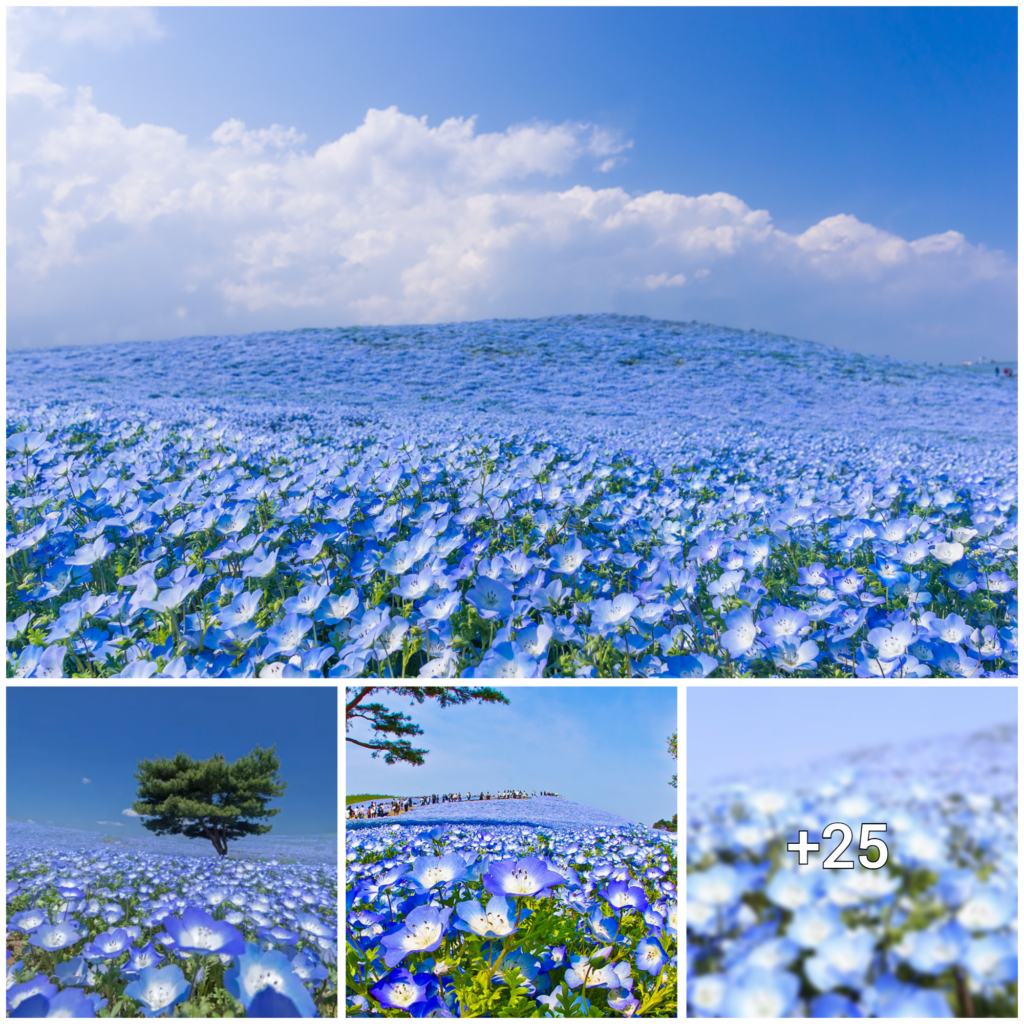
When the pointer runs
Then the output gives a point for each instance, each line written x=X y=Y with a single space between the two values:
x=216 y=838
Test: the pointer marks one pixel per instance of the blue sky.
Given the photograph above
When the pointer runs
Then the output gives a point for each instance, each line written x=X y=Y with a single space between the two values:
x=732 y=731
x=844 y=175
x=600 y=746
x=59 y=737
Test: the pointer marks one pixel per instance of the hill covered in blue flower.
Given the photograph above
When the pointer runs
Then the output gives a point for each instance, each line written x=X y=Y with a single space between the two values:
x=572 y=496
x=541 y=811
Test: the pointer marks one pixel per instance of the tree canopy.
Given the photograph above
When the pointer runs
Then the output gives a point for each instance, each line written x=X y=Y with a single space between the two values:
x=209 y=799
x=385 y=723
x=673 y=749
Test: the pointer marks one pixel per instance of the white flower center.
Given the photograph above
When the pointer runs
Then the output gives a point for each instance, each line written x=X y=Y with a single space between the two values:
x=159 y=994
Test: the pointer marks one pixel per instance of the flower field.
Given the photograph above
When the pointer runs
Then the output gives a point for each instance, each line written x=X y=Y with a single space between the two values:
x=510 y=921
x=930 y=933
x=95 y=932
x=544 y=811
x=579 y=496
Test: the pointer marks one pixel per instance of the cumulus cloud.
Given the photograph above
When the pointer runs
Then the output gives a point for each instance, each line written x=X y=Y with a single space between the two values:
x=129 y=813
x=120 y=232
x=86 y=781
x=116 y=824
x=108 y=28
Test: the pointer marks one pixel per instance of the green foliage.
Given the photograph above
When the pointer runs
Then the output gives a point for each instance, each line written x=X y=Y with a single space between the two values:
x=209 y=799
x=387 y=723
x=488 y=985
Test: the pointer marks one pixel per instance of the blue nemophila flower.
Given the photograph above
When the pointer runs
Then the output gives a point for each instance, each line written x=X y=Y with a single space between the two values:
x=491 y=598
x=307 y=967
x=525 y=877
x=259 y=564
x=719 y=886
x=841 y=960
x=534 y=640
x=952 y=629
x=604 y=928
x=584 y=972
x=268 y=1002
x=625 y=894
x=256 y=969
x=400 y=990
x=506 y=660
x=691 y=666
x=815 y=575
x=792 y=890
x=158 y=989
x=794 y=655
x=947 y=552
x=52 y=937
x=308 y=599
x=428 y=872
x=27 y=920
x=140 y=959
x=241 y=609
x=198 y=932
x=275 y=934
x=650 y=956
x=107 y=946
x=933 y=950
x=705 y=994
x=991 y=961
x=497 y=921
x=74 y=972
x=18 y=995
x=988 y=908
x=812 y=925
x=741 y=635
x=314 y=926
x=832 y=1004
x=892 y=643
x=88 y=554
x=890 y=997
x=605 y=615
x=569 y=557
x=761 y=993
x=72 y=1002
x=286 y=636
x=421 y=931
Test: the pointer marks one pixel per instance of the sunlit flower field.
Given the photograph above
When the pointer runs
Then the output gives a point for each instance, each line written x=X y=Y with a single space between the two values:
x=578 y=496
x=93 y=932
x=931 y=933
x=510 y=921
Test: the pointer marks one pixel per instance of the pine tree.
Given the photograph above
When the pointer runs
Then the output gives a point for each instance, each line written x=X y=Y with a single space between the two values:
x=209 y=799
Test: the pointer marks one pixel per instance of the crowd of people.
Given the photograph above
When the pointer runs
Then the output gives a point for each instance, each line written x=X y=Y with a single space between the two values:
x=380 y=808
x=395 y=805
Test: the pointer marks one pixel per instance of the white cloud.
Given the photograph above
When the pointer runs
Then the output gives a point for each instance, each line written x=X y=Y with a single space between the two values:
x=663 y=280
x=32 y=31
x=129 y=813
x=116 y=824
x=111 y=226
x=109 y=28
x=86 y=781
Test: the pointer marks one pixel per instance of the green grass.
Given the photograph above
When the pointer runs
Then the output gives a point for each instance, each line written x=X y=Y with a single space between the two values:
x=360 y=797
